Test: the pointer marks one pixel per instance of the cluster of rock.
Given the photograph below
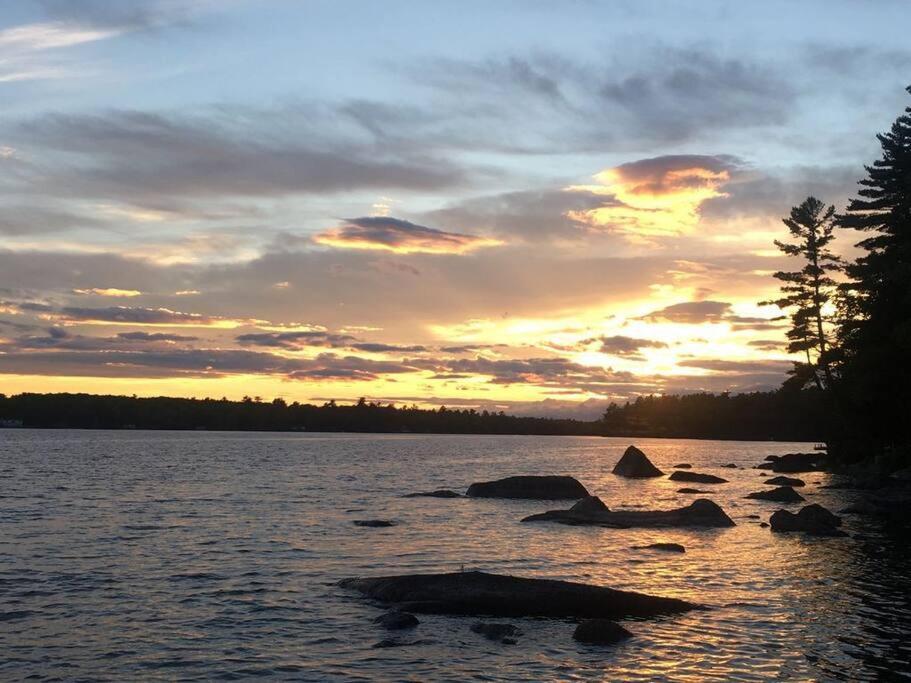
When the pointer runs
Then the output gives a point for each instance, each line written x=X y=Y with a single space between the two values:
x=592 y=511
x=814 y=520
x=792 y=463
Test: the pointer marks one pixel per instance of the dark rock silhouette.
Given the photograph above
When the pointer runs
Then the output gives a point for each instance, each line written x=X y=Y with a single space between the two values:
x=600 y=632
x=683 y=466
x=376 y=523
x=812 y=519
x=495 y=631
x=590 y=505
x=635 y=464
x=687 y=490
x=536 y=487
x=785 y=481
x=480 y=593
x=795 y=462
x=698 y=478
x=730 y=466
x=395 y=620
x=668 y=547
x=439 y=493
x=394 y=642
x=782 y=494
x=699 y=513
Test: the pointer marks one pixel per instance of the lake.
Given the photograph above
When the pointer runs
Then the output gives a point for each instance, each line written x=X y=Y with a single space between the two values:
x=214 y=556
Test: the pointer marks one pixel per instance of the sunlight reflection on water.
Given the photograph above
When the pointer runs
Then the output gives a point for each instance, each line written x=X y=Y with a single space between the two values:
x=207 y=556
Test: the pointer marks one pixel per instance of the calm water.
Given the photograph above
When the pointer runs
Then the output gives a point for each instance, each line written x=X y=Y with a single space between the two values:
x=205 y=556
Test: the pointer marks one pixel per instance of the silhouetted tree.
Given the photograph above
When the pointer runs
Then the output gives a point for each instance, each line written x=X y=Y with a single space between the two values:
x=875 y=331
x=806 y=292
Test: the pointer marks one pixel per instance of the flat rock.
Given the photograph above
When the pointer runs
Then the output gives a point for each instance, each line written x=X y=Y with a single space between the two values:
x=394 y=642
x=480 y=593
x=600 y=632
x=795 y=462
x=496 y=631
x=547 y=487
x=698 y=478
x=700 y=513
x=812 y=519
x=687 y=490
x=667 y=547
x=683 y=466
x=377 y=523
x=635 y=464
x=730 y=466
x=439 y=493
x=395 y=620
x=785 y=481
x=782 y=494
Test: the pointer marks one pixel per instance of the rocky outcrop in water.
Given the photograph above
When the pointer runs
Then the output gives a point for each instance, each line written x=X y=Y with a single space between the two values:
x=699 y=513
x=374 y=523
x=782 y=494
x=480 y=593
x=600 y=632
x=635 y=464
x=688 y=490
x=812 y=519
x=683 y=466
x=666 y=547
x=536 y=487
x=503 y=633
x=439 y=493
x=791 y=463
x=785 y=481
x=697 y=477
x=395 y=620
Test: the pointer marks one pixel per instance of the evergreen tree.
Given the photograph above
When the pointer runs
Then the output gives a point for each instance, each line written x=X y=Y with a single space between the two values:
x=806 y=292
x=875 y=332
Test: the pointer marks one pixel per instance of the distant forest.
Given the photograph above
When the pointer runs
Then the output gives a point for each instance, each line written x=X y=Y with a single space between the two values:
x=781 y=415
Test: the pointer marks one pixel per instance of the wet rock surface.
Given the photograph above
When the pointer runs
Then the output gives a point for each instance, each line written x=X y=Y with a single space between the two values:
x=504 y=633
x=600 y=632
x=439 y=493
x=666 y=547
x=697 y=477
x=785 y=481
x=782 y=494
x=548 y=487
x=374 y=523
x=814 y=520
x=699 y=513
x=635 y=464
x=395 y=620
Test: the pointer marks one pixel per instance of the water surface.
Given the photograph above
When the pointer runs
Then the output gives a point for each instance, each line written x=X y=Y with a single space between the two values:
x=213 y=556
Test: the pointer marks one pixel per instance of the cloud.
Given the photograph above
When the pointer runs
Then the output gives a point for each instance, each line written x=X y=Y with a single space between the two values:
x=155 y=337
x=620 y=345
x=691 y=313
x=295 y=340
x=657 y=197
x=393 y=234
x=109 y=291
x=121 y=15
x=122 y=315
x=779 y=367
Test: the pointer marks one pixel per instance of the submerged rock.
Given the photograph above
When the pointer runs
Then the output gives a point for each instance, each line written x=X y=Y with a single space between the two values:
x=668 y=547
x=683 y=466
x=686 y=490
x=699 y=513
x=374 y=522
x=395 y=620
x=730 y=466
x=785 y=481
x=589 y=505
x=812 y=519
x=537 y=487
x=698 y=478
x=439 y=493
x=494 y=631
x=600 y=632
x=480 y=593
x=635 y=464
x=782 y=494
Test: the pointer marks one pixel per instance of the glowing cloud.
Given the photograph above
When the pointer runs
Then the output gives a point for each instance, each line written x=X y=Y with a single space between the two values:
x=658 y=197
x=401 y=237
x=109 y=291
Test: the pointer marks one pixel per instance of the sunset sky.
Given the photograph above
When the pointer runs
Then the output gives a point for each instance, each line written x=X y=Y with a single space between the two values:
x=539 y=207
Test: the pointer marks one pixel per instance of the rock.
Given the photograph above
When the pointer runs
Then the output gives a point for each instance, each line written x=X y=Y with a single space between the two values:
x=509 y=641
x=686 y=490
x=439 y=493
x=395 y=620
x=537 y=487
x=493 y=631
x=795 y=462
x=374 y=522
x=635 y=464
x=730 y=466
x=600 y=632
x=683 y=466
x=698 y=478
x=782 y=494
x=589 y=505
x=480 y=593
x=764 y=525
x=394 y=642
x=700 y=513
x=812 y=519
x=785 y=481
x=752 y=516
x=669 y=547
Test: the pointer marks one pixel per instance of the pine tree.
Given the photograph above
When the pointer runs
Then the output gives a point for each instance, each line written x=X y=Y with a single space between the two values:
x=806 y=292
x=875 y=333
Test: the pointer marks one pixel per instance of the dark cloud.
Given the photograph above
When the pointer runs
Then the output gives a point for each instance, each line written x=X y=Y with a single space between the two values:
x=397 y=235
x=741 y=367
x=620 y=345
x=295 y=340
x=29 y=220
x=116 y=314
x=673 y=173
x=691 y=312
x=155 y=337
x=375 y=347
x=539 y=371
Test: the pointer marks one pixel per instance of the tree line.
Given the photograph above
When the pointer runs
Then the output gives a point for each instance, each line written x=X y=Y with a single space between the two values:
x=851 y=320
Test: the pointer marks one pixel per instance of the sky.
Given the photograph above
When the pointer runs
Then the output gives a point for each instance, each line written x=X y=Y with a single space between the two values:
x=535 y=207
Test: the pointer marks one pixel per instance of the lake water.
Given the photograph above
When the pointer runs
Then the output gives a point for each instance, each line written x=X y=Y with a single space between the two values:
x=214 y=556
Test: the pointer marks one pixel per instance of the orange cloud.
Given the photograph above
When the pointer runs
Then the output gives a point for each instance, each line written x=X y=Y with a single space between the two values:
x=385 y=233
x=658 y=197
